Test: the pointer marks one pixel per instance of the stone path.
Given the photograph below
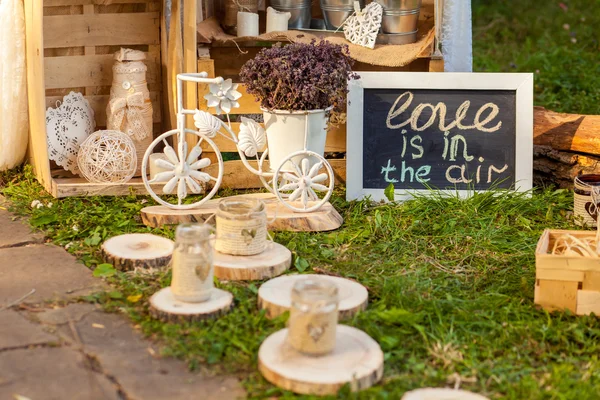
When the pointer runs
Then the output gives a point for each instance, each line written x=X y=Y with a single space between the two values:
x=54 y=348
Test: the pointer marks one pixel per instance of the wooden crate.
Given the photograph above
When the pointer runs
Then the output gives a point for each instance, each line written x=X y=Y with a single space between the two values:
x=70 y=47
x=564 y=282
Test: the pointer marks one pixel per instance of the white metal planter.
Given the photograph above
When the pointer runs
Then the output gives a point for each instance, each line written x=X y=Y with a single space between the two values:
x=298 y=175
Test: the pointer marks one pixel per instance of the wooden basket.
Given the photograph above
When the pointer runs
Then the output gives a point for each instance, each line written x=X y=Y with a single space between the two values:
x=70 y=46
x=564 y=282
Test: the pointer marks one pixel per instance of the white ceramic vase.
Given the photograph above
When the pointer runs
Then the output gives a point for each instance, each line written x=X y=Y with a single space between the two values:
x=292 y=131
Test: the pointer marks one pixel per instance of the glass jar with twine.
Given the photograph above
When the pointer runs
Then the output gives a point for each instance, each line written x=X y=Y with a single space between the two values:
x=241 y=227
x=584 y=209
x=313 y=316
x=192 y=263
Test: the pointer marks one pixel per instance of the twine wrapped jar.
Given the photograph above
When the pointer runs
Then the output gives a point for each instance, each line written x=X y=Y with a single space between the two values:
x=241 y=227
x=192 y=263
x=584 y=209
x=129 y=109
x=313 y=316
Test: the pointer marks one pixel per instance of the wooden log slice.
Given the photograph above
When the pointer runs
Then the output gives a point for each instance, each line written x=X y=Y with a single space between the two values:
x=356 y=359
x=137 y=250
x=165 y=307
x=441 y=394
x=278 y=216
x=275 y=294
x=273 y=261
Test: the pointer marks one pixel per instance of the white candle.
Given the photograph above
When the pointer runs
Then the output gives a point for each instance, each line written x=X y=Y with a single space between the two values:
x=155 y=169
x=247 y=24
x=277 y=21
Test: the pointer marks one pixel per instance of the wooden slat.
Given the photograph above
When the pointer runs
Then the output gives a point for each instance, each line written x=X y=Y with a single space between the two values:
x=591 y=281
x=190 y=63
x=336 y=141
x=38 y=148
x=57 y=3
x=588 y=302
x=101 y=29
x=89 y=70
x=69 y=187
x=99 y=104
x=556 y=295
x=559 y=275
x=236 y=176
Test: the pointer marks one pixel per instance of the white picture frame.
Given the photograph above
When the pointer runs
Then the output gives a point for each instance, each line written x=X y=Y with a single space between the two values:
x=521 y=83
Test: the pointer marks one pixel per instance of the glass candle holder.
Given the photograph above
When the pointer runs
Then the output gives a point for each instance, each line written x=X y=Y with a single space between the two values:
x=313 y=316
x=192 y=263
x=241 y=227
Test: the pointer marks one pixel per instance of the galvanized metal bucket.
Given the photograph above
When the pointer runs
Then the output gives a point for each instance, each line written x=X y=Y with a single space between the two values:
x=400 y=16
x=300 y=10
x=336 y=12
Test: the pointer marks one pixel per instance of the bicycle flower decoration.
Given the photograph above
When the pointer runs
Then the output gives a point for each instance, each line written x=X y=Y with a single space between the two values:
x=223 y=96
x=304 y=181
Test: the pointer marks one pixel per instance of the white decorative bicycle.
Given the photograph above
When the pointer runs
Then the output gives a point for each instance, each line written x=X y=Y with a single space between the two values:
x=303 y=181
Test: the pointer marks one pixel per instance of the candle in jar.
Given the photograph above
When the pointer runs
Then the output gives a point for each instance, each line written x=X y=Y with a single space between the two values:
x=277 y=21
x=154 y=168
x=247 y=24
x=192 y=263
x=313 y=316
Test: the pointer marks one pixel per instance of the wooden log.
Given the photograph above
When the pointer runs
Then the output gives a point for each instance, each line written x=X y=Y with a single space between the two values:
x=137 y=250
x=274 y=261
x=561 y=167
x=275 y=295
x=567 y=132
x=165 y=307
x=356 y=359
x=278 y=216
x=441 y=394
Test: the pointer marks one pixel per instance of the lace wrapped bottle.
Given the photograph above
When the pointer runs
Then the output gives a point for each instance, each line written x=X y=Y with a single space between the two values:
x=313 y=316
x=130 y=109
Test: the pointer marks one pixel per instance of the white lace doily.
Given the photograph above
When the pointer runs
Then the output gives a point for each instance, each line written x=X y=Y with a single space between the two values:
x=67 y=126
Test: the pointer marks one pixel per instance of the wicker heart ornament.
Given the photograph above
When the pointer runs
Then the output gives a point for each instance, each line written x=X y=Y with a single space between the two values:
x=67 y=126
x=362 y=27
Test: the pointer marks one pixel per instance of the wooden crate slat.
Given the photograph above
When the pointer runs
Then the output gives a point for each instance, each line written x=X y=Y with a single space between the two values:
x=101 y=29
x=58 y=3
x=88 y=70
x=559 y=275
x=591 y=281
x=99 y=104
x=588 y=302
x=336 y=140
x=556 y=295
x=68 y=187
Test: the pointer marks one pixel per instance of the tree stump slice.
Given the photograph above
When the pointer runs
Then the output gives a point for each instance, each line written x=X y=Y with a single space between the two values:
x=275 y=294
x=356 y=359
x=441 y=394
x=137 y=250
x=165 y=307
x=273 y=261
x=279 y=218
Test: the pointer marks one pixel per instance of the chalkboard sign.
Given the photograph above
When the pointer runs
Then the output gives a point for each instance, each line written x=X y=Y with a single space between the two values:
x=444 y=131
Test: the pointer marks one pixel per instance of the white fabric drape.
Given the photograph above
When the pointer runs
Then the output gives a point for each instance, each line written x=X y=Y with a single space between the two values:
x=14 y=121
x=457 y=41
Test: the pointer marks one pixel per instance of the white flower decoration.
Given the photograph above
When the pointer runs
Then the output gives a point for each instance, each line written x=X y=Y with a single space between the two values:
x=223 y=96
x=304 y=182
x=206 y=123
x=252 y=137
x=182 y=173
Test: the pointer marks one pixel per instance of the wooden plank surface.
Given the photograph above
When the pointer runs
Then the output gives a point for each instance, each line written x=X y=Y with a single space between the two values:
x=56 y=3
x=190 y=63
x=38 y=148
x=556 y=295
x=99 y=104
x=566 y=132
x=89 y=70
x=101 y=29
x=68 y=187
x=588 y=302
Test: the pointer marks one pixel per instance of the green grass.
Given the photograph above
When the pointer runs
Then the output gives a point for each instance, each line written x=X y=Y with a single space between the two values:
x=451 y=292
x=451 y=282
x=561 y=47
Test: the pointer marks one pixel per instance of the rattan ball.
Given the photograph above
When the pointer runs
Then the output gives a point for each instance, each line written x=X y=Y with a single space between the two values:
x=107 y=157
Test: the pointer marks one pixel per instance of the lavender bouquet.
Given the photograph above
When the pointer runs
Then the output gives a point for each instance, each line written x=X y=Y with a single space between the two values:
x=300 y=76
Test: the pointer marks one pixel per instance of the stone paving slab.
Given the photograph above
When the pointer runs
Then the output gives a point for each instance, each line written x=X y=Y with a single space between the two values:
x=15 y=232
x=49 y=269
x=16 y=331
x=52 y=373
x=134 y=363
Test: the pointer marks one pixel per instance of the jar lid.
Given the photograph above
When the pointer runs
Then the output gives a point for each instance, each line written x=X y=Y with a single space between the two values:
x=129 y=55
